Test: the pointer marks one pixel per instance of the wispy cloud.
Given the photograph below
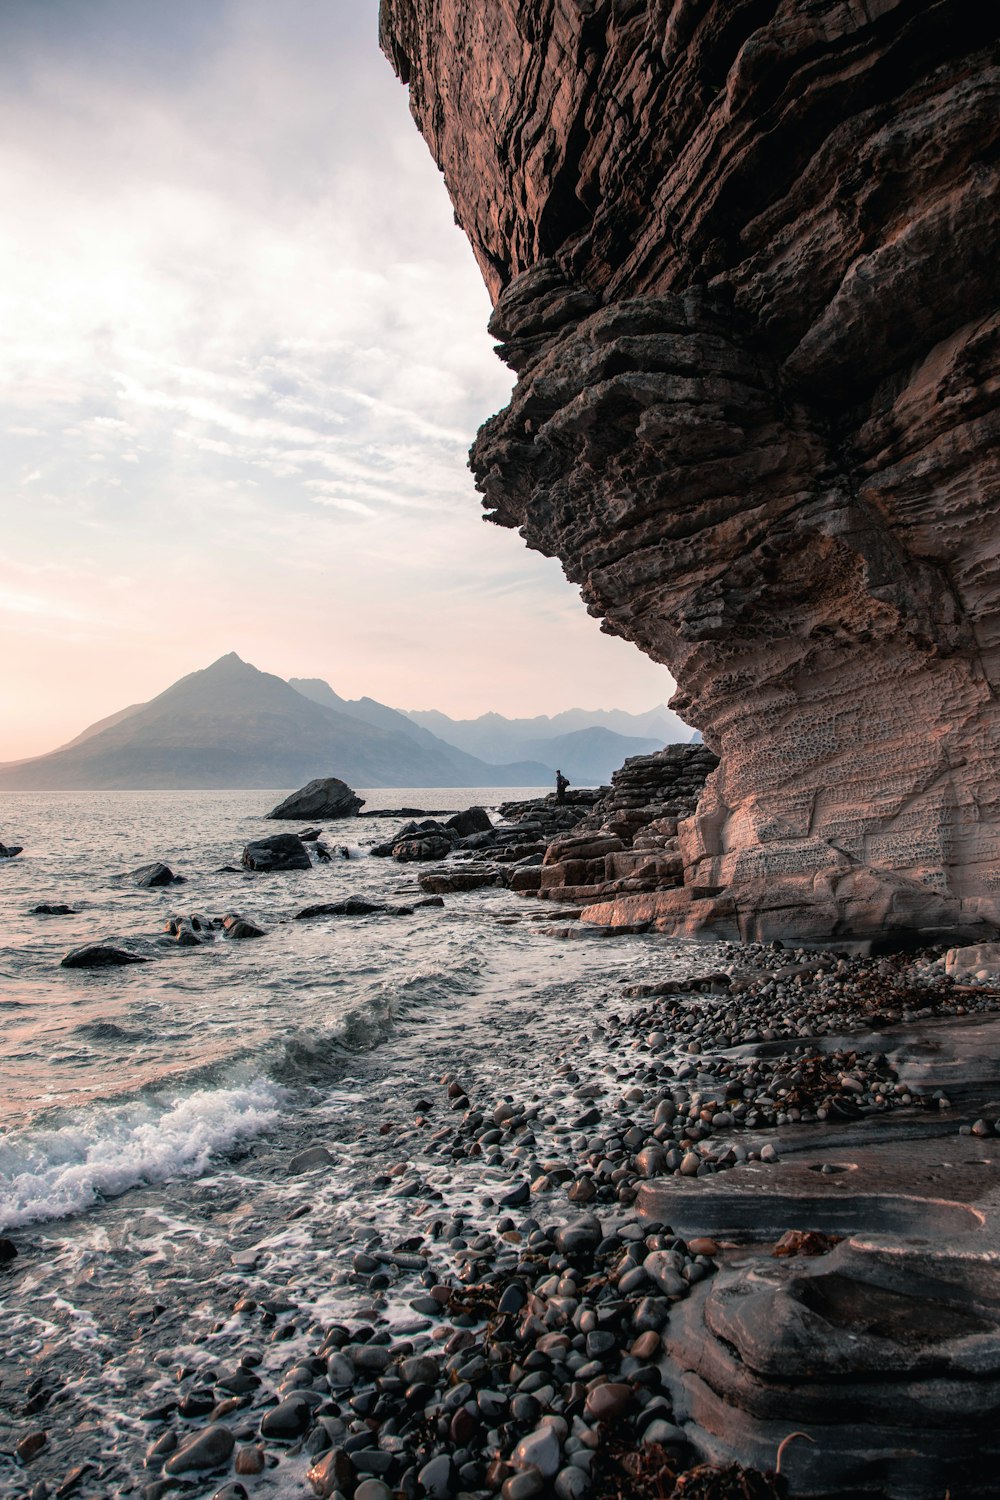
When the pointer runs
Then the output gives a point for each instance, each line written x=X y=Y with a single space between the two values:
x=244 y=354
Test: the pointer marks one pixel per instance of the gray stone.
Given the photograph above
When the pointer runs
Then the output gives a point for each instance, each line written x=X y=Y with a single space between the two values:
x=539 y=1450
x=436 y=1478
x=309 y=1159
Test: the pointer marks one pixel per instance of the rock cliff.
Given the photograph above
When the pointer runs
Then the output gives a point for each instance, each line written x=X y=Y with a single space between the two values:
x=743 y=257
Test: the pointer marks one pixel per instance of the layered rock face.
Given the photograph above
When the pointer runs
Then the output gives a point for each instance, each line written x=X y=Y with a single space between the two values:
x=743 y=260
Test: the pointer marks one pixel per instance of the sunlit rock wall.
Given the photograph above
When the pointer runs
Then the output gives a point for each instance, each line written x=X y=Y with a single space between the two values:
x=744 y=261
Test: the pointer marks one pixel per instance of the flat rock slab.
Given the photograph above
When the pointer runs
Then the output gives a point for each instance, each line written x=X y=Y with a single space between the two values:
x=886 y=1348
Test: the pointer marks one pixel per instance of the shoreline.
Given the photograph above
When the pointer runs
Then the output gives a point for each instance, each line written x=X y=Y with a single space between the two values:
x=631 y=1102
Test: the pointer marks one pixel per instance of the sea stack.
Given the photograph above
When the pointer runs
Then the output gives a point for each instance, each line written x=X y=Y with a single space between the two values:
x=744 y=268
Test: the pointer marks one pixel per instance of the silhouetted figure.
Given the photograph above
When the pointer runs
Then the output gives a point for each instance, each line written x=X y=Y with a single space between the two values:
x=561 y=785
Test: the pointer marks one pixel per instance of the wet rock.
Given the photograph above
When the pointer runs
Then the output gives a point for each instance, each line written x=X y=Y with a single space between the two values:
x=147 y=877
x=309 y=1159
x=472 y=820
x=288 y=1420
x=100 y=956
x=421 y=847
x=436 y=1478
x=571 y=1483
x=234 y=926
x=320 y=799
x=249 y=1459
x=31 y=1445
x=8 y=1250
x=523 y=1486
x=11 y=851
x=72 y=1479
x=606 y=1403
x=230 y=1492
x=208 y=1449
x=350 y=906
x=53 y=909
x=283 y=851
x=372 y=1489
x=333 y=1472
x=453 y=882
x=540 y=1450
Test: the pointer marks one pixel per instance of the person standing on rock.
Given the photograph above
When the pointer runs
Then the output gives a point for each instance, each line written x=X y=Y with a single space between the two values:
x=561 y=785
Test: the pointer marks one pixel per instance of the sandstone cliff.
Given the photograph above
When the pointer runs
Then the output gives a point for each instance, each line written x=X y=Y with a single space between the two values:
x=743 y=257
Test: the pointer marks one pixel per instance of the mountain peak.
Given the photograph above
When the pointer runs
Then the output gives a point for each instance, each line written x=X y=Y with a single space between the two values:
x=229 y=662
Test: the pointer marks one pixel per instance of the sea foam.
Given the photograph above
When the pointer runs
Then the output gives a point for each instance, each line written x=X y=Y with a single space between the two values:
x=50 y=1173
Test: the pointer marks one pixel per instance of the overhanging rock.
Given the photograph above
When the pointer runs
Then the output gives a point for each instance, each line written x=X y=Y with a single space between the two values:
x=745 y=271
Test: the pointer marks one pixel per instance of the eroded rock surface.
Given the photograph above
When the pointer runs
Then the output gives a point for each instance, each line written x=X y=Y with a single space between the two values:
x=743 y=261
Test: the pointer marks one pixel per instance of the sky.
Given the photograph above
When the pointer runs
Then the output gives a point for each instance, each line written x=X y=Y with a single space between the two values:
x=243 y=353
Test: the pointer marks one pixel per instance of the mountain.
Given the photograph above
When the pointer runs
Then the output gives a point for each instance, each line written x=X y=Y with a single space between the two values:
x=587 y=744
x=588 y=756
x=233 y=726
x=531 y=771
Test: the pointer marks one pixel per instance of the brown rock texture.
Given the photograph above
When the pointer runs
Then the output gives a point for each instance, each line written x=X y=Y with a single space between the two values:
x=744 y=262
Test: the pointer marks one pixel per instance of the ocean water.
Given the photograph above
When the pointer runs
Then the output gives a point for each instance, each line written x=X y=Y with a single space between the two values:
x=148 y=1114
x=114 y=1077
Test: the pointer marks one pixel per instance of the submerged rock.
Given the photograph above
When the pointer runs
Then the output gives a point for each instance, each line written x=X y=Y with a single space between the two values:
x=282 y=851
x=235 y=926
x=147 y=877
x=10 y=851
x=351 y=906
x=53 y=909
x=325 y=797
x=100 y=956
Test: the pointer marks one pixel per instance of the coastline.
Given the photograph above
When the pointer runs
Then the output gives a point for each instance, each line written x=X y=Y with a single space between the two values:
x=493 y=1278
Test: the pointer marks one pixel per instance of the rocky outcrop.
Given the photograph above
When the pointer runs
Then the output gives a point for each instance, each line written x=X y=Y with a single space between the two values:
x=326 y=797
x=629 y=843
x=282 y=851
x=742 y=259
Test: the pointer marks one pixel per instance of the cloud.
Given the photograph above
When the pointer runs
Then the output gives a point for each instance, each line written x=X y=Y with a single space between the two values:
x=244 y=355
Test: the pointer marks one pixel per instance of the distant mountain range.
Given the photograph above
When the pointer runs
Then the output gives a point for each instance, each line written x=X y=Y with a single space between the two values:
x=233 y=726
x=586 y=744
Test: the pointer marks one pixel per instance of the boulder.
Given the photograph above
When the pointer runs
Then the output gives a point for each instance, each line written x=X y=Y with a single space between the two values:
x=422 y=846
x=235 y=926
x=147 y=877
x=282 y=851
x=975 y=961
x=100 y=956
x=326 y=797
x=53 y=909
x=472 y=820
